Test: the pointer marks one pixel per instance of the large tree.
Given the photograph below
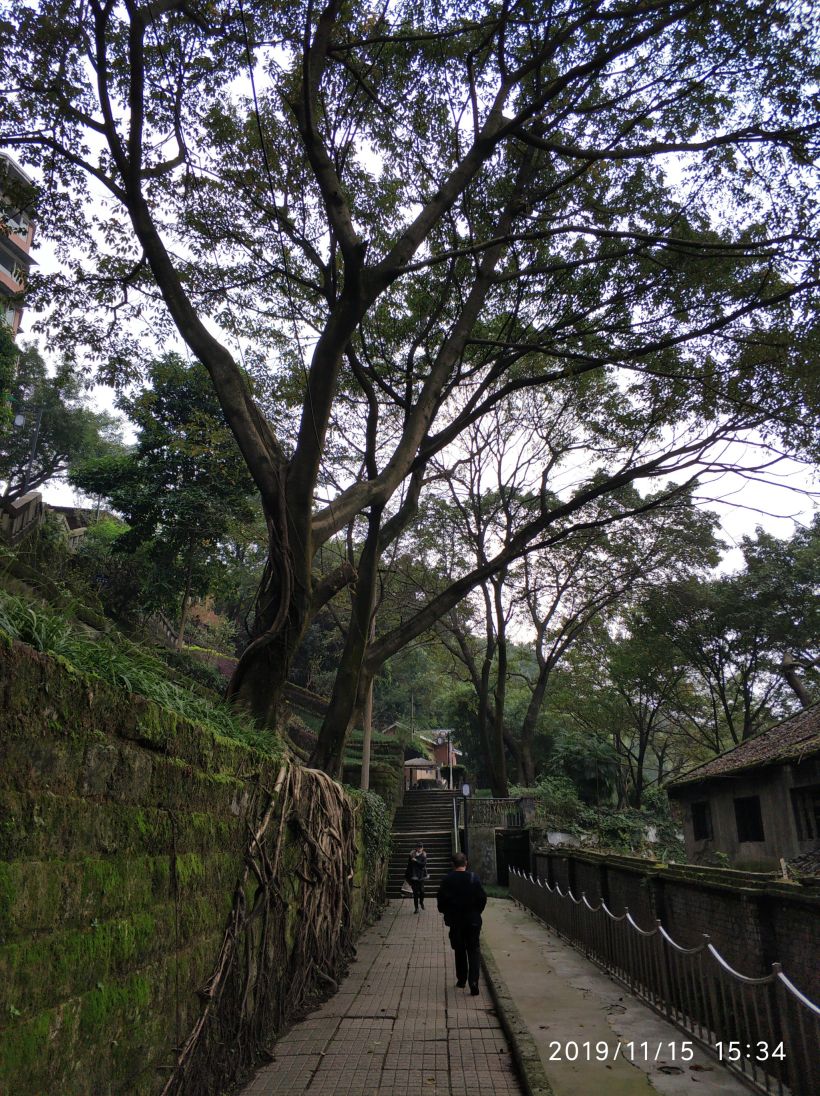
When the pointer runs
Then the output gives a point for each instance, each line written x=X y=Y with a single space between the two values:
x=411 y=213
x=182 y=488
x=555 y=597
x=747 y=634
x=48 y=428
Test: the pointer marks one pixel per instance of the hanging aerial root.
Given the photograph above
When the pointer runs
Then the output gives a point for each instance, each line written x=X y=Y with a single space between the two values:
x=260 y=978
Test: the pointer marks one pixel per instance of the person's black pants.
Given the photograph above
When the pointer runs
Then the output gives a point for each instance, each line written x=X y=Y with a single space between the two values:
x=418 y=892
x=464 y=942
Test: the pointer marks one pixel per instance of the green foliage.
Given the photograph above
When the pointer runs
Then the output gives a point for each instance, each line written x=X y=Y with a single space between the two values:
x=376 y=835
x=125 y=666
x=116 y=578
x=588 y=761
x=53 y=409
x=46 y=549
x=8 y=358
x=206 y=630
x=623 y=830
x=182 y=489
x=558 y=802
x=194 y=667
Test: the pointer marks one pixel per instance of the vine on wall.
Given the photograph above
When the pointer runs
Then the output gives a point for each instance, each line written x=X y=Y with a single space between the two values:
x=378 y=841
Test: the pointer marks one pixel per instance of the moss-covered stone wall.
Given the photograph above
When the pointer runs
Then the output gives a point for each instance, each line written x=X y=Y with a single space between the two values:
x=123 y=858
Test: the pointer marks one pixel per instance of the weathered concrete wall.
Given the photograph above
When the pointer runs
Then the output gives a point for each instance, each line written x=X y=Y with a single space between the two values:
x=123 y=836
x=753 y=921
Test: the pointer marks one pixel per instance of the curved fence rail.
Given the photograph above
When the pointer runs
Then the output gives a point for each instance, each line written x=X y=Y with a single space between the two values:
x=763 y=1029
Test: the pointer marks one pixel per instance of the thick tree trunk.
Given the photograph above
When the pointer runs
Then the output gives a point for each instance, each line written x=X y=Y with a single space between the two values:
x=353 y=691
x=527 y=763
x=529 y=725
x=500 y=784
x=367 y=737
x=328 y=752
x=283 y=608
x=492 y=742
x=513 y=749
x=789 y=670
x=366 y=686
x=639 y=766
x=500 y=693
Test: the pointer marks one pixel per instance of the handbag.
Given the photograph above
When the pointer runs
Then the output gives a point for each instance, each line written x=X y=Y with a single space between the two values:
x=426 y=874
x=406 y=888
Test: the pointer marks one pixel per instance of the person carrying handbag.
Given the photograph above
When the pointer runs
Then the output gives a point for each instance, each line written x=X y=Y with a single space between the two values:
x=415 y=874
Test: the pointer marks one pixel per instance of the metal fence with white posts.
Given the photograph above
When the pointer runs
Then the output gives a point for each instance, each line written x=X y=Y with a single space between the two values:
x=763 y=1029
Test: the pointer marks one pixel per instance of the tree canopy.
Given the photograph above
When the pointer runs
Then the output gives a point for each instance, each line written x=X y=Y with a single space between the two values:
x=182 y=488
x=407 y=218
x=55 y=429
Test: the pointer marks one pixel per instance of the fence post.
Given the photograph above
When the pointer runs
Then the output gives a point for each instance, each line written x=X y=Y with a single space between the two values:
x=782 y=1026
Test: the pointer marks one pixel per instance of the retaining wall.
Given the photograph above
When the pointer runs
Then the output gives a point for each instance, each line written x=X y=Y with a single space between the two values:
x=123 y=844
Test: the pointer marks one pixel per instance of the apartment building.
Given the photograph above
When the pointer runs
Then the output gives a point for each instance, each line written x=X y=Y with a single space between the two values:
x=16 y=238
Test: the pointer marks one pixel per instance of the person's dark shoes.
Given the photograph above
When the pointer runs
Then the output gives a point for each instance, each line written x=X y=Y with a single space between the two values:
x=474 y=989
x=461 y=983
x=416 y=910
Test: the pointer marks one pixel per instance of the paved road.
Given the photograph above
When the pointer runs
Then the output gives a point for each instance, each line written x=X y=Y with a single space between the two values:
x=397 y=1027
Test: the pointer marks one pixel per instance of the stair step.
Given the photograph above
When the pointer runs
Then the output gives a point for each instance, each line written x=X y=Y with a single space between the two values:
x=424 y=816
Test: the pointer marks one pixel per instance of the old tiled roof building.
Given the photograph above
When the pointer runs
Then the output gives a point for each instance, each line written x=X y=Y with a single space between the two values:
x=759 y=802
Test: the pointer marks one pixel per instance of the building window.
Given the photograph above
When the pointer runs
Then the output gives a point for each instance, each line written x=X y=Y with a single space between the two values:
x=806 y=806
x=702 y=821
x=749 y=819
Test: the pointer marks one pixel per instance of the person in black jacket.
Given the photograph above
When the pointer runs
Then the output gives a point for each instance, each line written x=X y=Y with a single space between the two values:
x=461 y=899
x=415 y=873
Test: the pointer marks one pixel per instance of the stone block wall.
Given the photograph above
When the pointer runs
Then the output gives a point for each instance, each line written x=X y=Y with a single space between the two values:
x=752 y=920
x=123 y=852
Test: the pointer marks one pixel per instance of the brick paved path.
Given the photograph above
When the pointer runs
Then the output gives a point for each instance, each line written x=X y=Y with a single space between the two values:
x=398 y=1025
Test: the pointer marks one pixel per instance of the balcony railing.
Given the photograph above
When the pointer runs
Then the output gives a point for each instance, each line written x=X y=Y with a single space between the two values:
x=763 y=1029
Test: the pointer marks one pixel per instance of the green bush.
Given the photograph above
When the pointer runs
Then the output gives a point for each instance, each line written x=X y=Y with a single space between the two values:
x=622 y=830
x=378 y=839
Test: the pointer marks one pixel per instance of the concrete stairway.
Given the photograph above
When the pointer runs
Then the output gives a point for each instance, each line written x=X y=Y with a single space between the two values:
x=425 y=815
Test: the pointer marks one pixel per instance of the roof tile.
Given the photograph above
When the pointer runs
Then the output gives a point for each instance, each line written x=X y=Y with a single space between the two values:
x=792 y=739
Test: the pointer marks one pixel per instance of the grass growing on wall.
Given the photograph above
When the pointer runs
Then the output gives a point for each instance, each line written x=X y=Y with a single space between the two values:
x=125 y=665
